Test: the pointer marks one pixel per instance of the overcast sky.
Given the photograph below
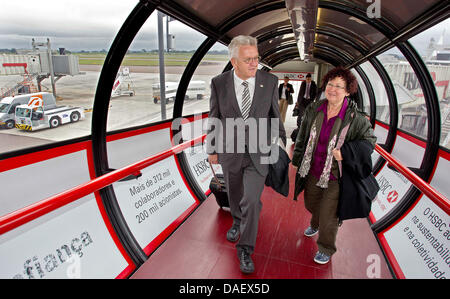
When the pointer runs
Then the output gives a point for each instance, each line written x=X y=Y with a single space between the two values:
x=93 y=24
x=81 y=25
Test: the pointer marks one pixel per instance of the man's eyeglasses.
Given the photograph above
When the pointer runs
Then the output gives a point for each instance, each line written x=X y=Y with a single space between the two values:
x=252 y=59
x=329 y=85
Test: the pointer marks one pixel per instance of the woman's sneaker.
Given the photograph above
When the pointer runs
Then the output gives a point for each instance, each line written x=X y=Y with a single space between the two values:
x=309 y=232
x=321 y=258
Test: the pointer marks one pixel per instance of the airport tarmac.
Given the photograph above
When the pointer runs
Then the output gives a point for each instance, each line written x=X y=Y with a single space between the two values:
x=124 y=111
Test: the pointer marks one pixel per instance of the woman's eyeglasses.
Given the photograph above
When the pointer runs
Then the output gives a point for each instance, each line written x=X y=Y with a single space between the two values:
x=329 y=85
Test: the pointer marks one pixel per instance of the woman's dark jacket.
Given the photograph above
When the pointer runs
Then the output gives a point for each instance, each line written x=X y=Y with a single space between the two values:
x=360 y=129
x=358 y=186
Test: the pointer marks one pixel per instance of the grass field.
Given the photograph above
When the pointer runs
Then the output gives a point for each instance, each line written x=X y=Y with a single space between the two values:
x=146 y=59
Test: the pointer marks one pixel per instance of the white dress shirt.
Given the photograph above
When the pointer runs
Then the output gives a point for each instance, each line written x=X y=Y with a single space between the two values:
x=283 y=93
x=239 y=88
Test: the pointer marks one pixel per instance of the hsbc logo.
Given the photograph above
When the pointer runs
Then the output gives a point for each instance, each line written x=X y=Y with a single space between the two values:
x=392 y=196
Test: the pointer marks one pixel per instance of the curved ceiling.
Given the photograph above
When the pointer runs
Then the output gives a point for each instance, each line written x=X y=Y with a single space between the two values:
x=344 y=31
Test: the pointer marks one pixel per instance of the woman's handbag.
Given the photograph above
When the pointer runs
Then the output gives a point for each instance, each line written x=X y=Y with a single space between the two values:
x=290 y=100
x=296 y=111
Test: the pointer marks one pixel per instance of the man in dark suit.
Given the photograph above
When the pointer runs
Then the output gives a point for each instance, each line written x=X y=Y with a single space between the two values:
x=245 y=115
x=285 y=91
x=306 y=95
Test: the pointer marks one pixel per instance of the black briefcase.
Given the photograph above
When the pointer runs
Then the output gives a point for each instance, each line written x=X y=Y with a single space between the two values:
x=219 y=189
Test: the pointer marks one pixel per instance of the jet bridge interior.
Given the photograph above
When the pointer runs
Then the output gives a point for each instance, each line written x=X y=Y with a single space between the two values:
x=135 y=202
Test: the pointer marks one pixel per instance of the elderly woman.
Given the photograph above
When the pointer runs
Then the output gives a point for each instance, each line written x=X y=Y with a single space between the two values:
x=316 y=157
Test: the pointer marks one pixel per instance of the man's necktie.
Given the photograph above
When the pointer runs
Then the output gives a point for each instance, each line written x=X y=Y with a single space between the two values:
x=245 y=101
x=307 y=91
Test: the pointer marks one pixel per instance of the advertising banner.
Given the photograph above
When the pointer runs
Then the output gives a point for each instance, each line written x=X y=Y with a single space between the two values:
x=200 y=167
x=153 y=201
x=393 y=186
x=73 y=244
x=420 y=242
x=294 y=76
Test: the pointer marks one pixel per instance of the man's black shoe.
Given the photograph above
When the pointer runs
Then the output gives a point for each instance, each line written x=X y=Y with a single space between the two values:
x=233 y=234
x=245 y=262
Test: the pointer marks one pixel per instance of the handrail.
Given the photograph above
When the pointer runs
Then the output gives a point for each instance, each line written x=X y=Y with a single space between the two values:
x=33 y=211
x=439 y=199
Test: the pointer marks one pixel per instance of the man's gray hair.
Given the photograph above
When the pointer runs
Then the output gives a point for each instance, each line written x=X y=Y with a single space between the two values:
x=240 y=40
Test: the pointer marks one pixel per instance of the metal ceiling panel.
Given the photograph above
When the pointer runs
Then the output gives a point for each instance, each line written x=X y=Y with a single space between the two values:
x=261 y=24
x=332 y=49
x=399 y=13
x=275 y=42
x=342 y=25
x=350 y=24
x=340 y=44
x=215 y=12
x=358 y=42
x=275 y=57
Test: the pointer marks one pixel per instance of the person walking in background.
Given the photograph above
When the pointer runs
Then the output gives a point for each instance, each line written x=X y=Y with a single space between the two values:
x=306 y=95
x=316 y=157
x=247 y=95
x=285 y=91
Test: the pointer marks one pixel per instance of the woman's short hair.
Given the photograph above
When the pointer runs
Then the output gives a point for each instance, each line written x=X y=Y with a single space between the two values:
x=351 y=84
x=240 y=40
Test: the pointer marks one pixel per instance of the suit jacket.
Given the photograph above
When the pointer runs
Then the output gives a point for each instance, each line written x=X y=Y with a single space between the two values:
x=301 y=95
x=288 y=94
x=225 y=123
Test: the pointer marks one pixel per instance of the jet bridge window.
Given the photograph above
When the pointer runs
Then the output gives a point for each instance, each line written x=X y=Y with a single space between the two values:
x=381 y=98
x=411 y=102
x=433 y=45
